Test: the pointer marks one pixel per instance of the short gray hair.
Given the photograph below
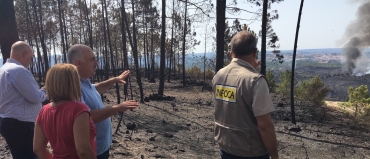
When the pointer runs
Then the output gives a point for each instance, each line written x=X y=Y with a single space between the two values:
x=243 y=43
x=74 y=53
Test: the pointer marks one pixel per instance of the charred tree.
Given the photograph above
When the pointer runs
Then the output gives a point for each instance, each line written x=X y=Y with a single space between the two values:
x=111 y=51
x=220 y=29
x=183 y=44
x=65 y=30
x=135 y=53
x=40 y=31
x=293 y=65
x=89 y=24
x=163 y=56
x=38 y=52
x=264 y=32
x=171 y=55
x=8 y=27
x=61 y=30
x=105 y=56
x=124 y=49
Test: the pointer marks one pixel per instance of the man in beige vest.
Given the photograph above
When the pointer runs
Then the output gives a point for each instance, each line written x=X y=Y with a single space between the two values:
x=243 y=126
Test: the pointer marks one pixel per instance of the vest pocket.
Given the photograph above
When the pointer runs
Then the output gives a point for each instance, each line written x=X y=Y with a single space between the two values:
x=233 y=138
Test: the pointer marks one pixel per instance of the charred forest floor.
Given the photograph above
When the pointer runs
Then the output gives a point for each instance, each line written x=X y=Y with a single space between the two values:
x=183 y=128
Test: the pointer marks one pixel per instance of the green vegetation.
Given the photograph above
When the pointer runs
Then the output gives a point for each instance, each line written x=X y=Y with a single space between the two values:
x=271 y=80
x=302 y=63
x=359 y=98
x=283 y=88
x=358 y=104
x=312 y=90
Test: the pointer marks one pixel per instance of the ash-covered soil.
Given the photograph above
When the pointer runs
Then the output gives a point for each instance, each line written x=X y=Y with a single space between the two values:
x=183 y=128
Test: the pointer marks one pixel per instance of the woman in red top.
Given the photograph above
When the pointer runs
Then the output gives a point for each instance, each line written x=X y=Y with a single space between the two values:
x=65 y=123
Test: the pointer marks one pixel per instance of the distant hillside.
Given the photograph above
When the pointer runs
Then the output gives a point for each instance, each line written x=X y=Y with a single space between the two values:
x=197 y=58
x=317 y=51
x=302 y=51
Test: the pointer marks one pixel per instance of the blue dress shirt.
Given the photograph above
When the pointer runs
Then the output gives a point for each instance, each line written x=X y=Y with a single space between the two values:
x=92 y=99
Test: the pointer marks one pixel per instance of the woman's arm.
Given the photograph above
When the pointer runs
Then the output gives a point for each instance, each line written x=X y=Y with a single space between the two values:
x=39 y=143
x=81 y=133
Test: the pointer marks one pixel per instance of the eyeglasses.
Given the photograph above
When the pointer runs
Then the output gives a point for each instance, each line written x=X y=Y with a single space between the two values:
x=94 y=59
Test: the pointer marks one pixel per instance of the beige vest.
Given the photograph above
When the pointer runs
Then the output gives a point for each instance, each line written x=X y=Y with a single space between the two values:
x=236 y=128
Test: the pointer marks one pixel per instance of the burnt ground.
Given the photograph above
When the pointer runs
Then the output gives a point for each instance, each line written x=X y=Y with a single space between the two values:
x=183 y=128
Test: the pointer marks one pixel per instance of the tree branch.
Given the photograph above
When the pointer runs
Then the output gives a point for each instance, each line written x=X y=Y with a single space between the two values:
x=236 y=8
x=196 y=6
x=253 y=19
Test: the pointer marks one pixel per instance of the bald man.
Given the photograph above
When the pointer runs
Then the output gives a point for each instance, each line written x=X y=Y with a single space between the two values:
x=243 y=126
x=84 y=59
x=20 y=101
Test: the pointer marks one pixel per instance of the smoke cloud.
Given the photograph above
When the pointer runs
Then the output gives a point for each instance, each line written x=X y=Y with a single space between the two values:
x=358 y=35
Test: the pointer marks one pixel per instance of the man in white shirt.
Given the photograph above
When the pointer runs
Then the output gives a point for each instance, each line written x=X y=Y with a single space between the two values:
x=20 y=101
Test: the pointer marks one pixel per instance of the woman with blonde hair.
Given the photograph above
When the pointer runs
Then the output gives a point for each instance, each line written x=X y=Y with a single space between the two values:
x=65 y=122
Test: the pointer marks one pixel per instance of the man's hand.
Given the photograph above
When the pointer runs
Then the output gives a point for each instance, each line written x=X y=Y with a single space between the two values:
x=121 y=78
x=46 y=101
x=256 y=64
x=105 y=85
x=130 y=104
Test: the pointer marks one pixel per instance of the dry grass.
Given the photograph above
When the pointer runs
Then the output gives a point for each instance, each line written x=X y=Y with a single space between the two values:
x=344 y=107
x=340 y=106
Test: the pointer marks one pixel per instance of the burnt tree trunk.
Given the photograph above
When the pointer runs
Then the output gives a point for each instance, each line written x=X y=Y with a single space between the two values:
x=40 y=30
x=61 y=30
x=8 y=28
x=111 y=51
x=264 y=32
x=144 y=47
x=183 y=44
x=65 y=31
x=163 y=38
x=293 y=65
x=138 y=73
x=151 y=78
x=89 y=27
x=220 y=29
x=105 y=55
x=171 y=55
x=38 y=52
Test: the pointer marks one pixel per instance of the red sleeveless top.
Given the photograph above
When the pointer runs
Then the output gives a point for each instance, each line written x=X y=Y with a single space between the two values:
x=57 y=124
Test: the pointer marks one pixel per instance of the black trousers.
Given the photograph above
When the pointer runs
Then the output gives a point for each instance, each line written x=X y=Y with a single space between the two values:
x=104 y=155
x=19 y=137
x=225 y=155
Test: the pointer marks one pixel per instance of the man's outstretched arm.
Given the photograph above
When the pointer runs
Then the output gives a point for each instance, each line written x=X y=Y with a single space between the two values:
x=99 y=115
x=105 y=85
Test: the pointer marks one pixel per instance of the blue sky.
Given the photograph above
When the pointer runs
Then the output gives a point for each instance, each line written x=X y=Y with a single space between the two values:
x=323 y=23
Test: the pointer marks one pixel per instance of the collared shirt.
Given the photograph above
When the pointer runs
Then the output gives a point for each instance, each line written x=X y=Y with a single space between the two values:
x=92 y=99
x=20 y=95
x=241 y=94
x=262 y=102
